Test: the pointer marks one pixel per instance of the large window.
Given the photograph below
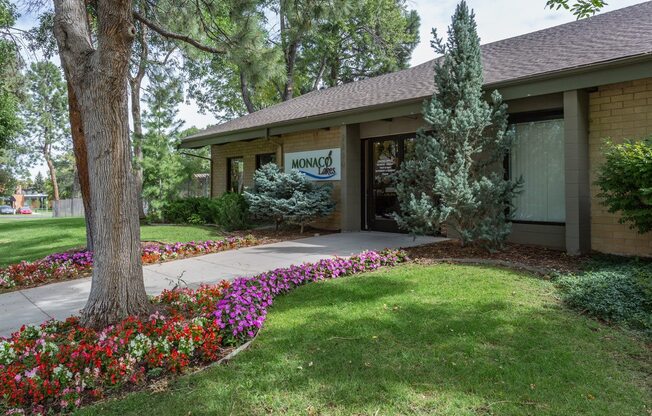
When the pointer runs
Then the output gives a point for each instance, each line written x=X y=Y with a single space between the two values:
x=265 y=158
x=235 y=174
x=538 y=157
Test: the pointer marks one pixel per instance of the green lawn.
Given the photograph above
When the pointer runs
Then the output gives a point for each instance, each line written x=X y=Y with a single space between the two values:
x=31 y=239
x=417 y=340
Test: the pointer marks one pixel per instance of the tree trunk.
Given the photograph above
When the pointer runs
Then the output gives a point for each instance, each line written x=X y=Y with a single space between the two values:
x=53 y=175
x=246 y=95
x=99 y=79
x=319 y=75
x=290 y=60
x=334 y=72
x=138 y=142
x=290 y=46
x=135 y=84
x=81 y=157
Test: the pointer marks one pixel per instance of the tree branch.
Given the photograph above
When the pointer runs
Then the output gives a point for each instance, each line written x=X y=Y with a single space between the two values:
x=177 y=36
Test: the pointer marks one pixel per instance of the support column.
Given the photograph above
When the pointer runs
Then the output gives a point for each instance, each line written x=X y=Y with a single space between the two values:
x=576 y=161
x=351 y=180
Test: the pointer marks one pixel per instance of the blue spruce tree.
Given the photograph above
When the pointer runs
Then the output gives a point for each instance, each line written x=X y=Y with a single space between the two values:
x=287 y=197
x=458 y=179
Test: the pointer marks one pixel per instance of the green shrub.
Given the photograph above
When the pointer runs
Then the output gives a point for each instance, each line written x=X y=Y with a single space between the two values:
x=288 y=197
x=180 y=211
x=196 y=219
x=232 y=212
x=618 y=293
x=625 y=181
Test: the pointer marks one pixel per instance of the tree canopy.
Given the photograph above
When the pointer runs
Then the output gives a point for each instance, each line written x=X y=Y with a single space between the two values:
x=45 y=111
x=10 y=123
x=294 y=47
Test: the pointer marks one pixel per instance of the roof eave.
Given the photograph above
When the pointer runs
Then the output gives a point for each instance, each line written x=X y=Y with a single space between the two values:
x=376 y=112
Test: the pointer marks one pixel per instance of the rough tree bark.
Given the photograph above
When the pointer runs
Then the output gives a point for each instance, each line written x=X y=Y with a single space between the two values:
x=98 y=76
x=81 y=157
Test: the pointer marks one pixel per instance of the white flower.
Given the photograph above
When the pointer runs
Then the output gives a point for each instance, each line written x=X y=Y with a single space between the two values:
x=186 y=346
x=139 y=346
x=7 y=352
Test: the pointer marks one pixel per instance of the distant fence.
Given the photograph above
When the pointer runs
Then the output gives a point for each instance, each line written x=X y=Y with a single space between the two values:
x=68 y=208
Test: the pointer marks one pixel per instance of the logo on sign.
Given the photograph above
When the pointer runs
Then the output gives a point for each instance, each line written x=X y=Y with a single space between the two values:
x=318 y=165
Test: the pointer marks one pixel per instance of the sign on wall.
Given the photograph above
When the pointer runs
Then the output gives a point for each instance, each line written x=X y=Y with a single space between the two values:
x=318 y=165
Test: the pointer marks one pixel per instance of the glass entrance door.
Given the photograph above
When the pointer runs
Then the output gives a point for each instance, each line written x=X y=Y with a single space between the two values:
x=383 y=203
x=383 y=159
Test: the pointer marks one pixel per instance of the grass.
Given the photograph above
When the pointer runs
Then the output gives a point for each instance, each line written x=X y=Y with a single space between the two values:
x=417 y=340
x=31 y=239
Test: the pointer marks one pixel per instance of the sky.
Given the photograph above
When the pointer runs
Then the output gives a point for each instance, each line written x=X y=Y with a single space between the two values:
x=496 y=19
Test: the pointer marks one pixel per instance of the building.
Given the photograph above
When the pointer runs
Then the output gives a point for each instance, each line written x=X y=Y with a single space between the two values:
x=568 y=88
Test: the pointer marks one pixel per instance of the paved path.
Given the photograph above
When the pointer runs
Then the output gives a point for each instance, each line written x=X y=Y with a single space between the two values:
x=60 y=300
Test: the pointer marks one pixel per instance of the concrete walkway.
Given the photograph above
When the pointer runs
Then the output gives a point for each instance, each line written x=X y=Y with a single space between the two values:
x=61 y=300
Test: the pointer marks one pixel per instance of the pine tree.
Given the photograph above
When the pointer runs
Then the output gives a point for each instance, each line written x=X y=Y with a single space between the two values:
x=45 y=112
x=264 y=197
x=161 y=165
x=309 y=201
x=287 y=197
x=458 y=180
x=39 y=182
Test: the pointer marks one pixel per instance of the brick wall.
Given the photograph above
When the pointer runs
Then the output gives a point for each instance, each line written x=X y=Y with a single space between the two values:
x=617 y=111
x=288 y=143
x=246 y=150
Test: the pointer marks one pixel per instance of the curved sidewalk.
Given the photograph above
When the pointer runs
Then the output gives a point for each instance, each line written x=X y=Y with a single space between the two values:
x=61 y=300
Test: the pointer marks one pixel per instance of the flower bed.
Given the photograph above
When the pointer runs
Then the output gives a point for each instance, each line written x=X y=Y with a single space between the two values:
x=73 y=264
x=243 y=309
x=60 y=365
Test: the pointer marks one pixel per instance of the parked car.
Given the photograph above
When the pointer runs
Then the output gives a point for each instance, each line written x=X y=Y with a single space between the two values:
x=24 y=210
x=7 y=210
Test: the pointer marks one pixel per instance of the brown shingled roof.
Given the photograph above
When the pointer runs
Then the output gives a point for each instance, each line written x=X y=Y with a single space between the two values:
x=620 y=34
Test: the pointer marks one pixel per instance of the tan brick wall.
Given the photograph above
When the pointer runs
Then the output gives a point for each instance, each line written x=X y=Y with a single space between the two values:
x=246 y=150
x=288 y=143
x=617 y=111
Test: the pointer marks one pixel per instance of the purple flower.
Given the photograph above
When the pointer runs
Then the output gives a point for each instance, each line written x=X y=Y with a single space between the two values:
x=243 y=309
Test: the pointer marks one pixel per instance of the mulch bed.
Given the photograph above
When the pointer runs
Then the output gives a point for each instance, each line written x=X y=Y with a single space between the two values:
x=536 y=258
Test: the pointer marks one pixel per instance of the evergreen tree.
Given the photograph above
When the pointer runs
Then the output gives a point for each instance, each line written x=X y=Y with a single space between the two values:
x=268 y=198
x=10 y=79
x=458 y=180
x=45 y=111
x=39 y=182
x=289 y=197
x=161 y=163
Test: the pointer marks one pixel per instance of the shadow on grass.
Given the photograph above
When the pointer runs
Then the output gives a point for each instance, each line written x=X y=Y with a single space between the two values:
x=447 y=340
